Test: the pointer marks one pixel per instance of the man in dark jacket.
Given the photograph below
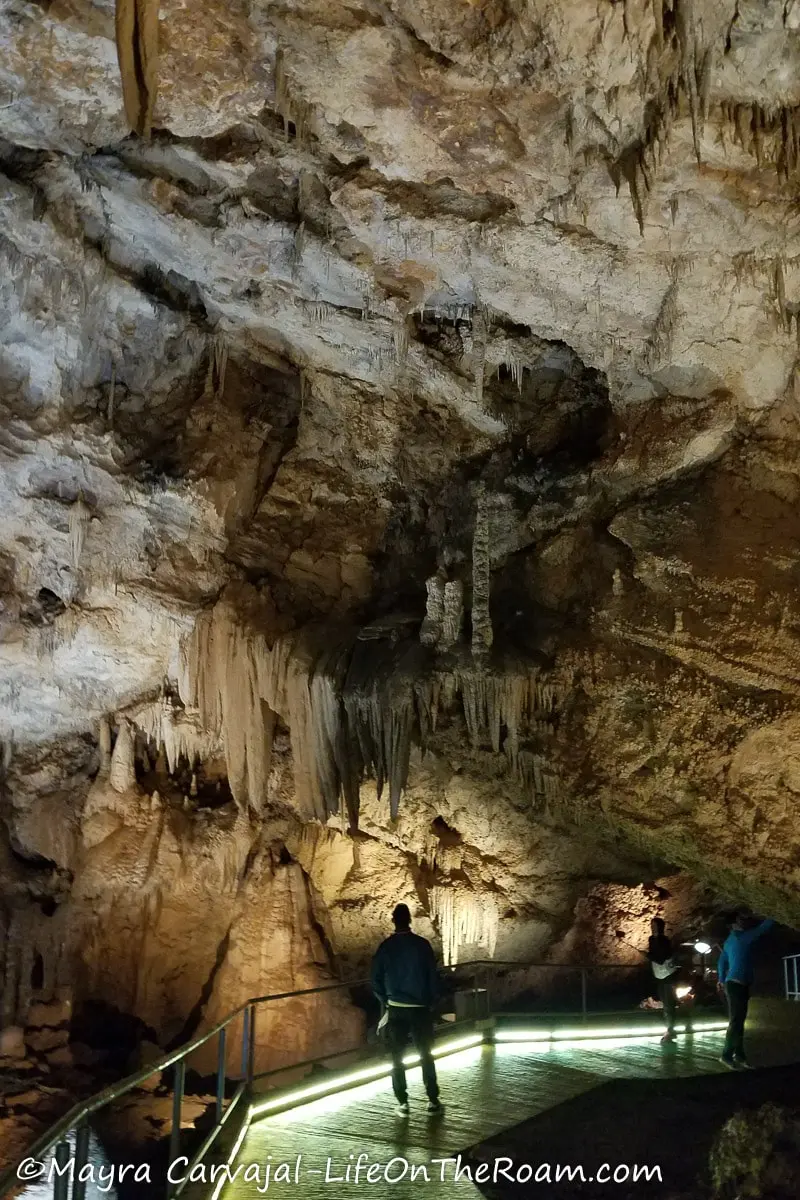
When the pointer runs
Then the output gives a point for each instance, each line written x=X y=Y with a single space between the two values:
x=405 y=980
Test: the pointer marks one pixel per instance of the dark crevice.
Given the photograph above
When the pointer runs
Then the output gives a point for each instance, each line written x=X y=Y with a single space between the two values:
x=192 y=1022
x=30 y=859
x=424 y=48
x=442 y=197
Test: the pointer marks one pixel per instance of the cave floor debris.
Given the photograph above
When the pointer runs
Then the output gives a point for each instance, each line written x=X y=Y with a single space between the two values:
x=486 y=1090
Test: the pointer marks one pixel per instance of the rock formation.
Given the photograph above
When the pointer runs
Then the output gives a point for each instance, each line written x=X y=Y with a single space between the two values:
x=398 y=485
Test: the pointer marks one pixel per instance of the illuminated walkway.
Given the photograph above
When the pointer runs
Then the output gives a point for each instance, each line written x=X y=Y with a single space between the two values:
x=486 y=1089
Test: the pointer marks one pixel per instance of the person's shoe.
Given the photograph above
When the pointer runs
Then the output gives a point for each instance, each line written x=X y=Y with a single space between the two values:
x=728 y=1061
x=669 y=1036
x=402 y=1109
x=435 y=1106
x=742 y=1063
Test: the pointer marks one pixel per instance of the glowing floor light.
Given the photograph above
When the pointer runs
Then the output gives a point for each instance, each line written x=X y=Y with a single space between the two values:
x=379 y=1070
x=232 y=1157
x=610 y=1032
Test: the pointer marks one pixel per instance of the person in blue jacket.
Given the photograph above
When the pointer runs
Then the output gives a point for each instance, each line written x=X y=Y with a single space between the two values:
x=406 y=981
x=735 y=974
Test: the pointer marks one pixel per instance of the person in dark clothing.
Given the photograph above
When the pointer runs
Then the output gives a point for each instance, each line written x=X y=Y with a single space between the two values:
x=406 y=981
x=735 y=975
x=665 y=969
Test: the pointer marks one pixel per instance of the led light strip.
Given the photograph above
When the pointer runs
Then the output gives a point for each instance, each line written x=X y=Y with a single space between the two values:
x=223 y=1179
x=363 y=1075
x=584 y=1035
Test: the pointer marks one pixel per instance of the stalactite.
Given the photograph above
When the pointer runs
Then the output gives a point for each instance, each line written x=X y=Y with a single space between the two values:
x=659 y=344
x=704 y=82
x=104 y=740
x=219 y=351
x=658 y=14
x=482 y=635
x=80 y=516
x=757 y=125
x=453 y=614
x=779 y=284
x=112 y=388
x=298 y=246
x=628 y=167
x=400 y=339
x=122 y=772
x=137 y=52
x=431 y=630
x=479 y=340
x=352 y=703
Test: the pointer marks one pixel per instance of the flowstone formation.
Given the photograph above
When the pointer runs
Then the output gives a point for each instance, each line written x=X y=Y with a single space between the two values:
x=398 y=487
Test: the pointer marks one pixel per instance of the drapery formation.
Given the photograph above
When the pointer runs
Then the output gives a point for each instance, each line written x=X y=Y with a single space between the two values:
x=354 y=705
x=137 y=51
x=465 y=919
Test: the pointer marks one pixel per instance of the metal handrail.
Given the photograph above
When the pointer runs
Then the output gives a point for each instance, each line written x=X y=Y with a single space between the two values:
x=791 y=976
x=77 y=1117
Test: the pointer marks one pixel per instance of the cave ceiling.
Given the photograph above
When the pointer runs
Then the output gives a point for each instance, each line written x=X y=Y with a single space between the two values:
x=376 y=265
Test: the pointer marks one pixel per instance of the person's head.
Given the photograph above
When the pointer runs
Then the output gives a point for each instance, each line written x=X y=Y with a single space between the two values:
x=657 y=926
x=402 y=918
x=738 y=921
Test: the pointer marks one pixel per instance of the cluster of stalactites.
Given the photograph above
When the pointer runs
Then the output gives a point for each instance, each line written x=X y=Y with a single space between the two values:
x=503 y=705
x=168 y=728
x=465 y=919
x=681 y=69
x=354 y=707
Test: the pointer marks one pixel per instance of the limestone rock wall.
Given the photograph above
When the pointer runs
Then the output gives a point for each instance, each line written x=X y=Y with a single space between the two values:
x=503 y=296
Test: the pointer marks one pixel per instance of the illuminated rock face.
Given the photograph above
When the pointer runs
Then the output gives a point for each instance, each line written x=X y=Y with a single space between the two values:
x=492 y=307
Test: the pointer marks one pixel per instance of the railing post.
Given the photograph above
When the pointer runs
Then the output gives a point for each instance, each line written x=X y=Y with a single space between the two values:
x=178 y=1081
x=796 y=988
x=81 y=1159
x=61 y=1177
x=786 y=978
x=584 y=992
x=251 y=1057
x=245 y=1041
x=221 y=1062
